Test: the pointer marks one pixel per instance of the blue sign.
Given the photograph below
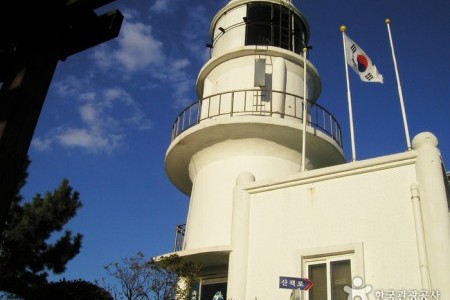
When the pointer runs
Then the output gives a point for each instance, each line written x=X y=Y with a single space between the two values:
x=295 y=283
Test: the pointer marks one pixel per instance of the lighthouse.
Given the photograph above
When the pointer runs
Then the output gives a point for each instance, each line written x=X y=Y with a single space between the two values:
x=248 y=118
x=267 y=214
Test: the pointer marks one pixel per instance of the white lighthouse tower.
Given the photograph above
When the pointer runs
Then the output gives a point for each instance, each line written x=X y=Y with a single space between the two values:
x=248 y=118
x=254 y=218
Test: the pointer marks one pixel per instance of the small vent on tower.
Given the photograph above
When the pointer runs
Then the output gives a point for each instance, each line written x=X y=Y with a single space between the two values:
x=260 y=72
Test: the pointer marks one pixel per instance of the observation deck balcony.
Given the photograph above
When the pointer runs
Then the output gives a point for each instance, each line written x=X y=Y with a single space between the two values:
x=253 y=114
x=257 y=103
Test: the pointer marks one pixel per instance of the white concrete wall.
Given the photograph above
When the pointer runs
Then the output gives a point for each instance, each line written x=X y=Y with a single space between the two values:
x=434 y=206
x=232 y=75
x=234 y=37
x=372 y=209
x=213 y=172
x=239 y=73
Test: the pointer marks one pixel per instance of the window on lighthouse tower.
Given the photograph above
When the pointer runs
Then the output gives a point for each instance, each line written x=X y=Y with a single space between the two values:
x=274 y=25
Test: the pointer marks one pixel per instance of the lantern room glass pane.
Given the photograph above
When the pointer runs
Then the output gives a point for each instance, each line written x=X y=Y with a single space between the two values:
x=258 y=24
x=274 y=25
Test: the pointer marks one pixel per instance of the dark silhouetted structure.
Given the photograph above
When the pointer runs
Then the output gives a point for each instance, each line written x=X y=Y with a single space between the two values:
x=34 y=36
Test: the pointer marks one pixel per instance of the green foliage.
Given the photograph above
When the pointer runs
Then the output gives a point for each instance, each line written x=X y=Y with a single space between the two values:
x=26 y=255
x=164 y=278
x=173 y=276
x=71 y=290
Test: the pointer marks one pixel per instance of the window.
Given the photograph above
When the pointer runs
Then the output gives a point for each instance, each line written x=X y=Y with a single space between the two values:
x=274 y=25
x=329 y=275
x=205 y=289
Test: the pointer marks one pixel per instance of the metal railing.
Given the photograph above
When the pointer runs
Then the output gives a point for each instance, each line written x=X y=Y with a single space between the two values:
x=257 y=102
x=179 y=237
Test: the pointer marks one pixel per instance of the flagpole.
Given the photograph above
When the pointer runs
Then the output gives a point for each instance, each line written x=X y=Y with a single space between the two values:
x=349 y=96
x=400 y=93
x=305 y=107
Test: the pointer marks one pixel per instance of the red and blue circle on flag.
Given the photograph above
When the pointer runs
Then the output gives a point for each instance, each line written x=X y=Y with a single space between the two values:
x=363 y=63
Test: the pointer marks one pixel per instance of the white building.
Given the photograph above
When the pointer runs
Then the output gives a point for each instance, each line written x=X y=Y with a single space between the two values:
x=255 y=218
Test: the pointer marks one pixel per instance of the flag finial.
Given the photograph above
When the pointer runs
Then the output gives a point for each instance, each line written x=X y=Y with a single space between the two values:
x=388 y=21
x=343 y=28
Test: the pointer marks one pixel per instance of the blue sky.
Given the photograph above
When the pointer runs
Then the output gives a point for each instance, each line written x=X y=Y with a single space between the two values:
x=107 y=118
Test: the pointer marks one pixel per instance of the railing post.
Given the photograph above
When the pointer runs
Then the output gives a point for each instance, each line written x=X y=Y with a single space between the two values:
x=317 y=117
x=184 y=120
x=324 y=120
x=331 y=126
x=178 y=124
x=199 y=110
x=232 y=103
x=271 y=104
x=173 y=132
x=209 y=106
x=245 y=101
x=190 y=114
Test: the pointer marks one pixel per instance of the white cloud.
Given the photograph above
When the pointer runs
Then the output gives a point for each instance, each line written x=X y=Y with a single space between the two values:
x=89 y=96
x=89 y=139
x=88 y=113
x=137 y=49
x=160 y=6
x=113 y=94
x=179 y=64
x=105 y=113
x=42 y=144
x=78 y=137
x=69 y=86
x=181 y=81
x=176 y=71
x=196 y=33
x=102 y=120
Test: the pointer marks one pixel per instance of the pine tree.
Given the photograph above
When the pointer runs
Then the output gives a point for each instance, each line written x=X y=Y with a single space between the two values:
x=72 y=290
x=26 y=254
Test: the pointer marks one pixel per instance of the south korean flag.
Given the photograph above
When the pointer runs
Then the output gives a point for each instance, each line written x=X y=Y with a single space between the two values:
x=361 y=63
